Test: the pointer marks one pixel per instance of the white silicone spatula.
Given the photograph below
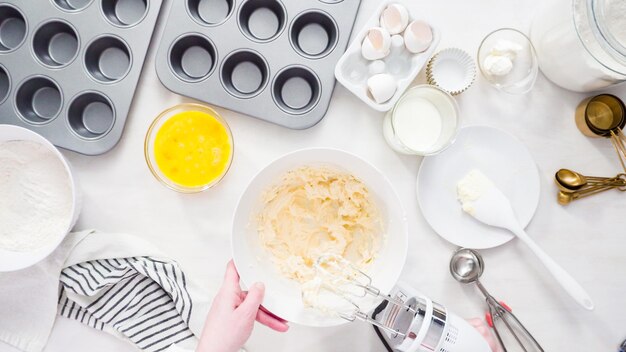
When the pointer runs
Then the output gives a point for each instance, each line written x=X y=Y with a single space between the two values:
x=492 y=207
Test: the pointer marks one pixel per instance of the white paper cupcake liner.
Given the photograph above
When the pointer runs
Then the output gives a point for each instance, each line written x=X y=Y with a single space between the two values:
x=452 y=70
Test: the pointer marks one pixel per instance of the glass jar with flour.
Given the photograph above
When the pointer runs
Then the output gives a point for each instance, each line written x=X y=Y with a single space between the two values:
x=581 y=44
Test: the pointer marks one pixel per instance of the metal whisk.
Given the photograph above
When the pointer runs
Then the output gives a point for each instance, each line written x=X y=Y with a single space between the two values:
x=349 y=282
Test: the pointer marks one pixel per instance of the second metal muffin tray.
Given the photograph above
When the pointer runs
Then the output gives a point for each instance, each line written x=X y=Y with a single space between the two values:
x=69 y=68
x=270 y=59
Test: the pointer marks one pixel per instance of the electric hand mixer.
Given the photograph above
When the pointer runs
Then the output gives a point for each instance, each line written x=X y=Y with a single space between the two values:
x=411 y=322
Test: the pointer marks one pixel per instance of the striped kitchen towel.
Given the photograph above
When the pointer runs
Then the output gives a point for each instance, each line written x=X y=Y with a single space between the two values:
x=142 y=299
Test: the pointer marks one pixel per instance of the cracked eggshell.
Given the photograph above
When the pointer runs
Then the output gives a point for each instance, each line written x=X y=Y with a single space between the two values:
x=381 y=87
x=418 y=37
x=394 y=18
x=376 y=44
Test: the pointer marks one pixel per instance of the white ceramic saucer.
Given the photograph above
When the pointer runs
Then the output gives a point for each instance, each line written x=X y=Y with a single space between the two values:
x=502 y=158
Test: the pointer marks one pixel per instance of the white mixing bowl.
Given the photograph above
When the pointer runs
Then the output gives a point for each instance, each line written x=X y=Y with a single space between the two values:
x=283 y=296
x=10 y=260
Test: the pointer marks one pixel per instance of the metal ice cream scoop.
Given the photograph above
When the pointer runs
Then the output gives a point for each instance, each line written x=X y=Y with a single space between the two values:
x=466 y=266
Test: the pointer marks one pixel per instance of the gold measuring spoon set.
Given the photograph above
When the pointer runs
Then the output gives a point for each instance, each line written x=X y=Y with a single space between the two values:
x=573 y=185
x=599 y=116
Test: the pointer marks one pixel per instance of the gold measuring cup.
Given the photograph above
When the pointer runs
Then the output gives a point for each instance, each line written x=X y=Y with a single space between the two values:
x=604 y=115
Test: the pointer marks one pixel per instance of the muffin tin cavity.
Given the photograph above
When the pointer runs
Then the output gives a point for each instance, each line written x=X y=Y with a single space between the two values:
x=193 y=57
x=244 y=73
x=270 y=59
x=12 y=28
x=108 y=59
x=55 y=44
x=296 y=89
x=314 y=34
x=91 y=115
x=69 y=68
x=210 y=12
x=72 y=5
x=5 y=84
x=262 y=20
x=39 y=100
x=125 y=13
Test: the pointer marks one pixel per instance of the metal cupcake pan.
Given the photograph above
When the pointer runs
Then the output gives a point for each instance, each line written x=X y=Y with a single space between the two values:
x=69 y=68
x=270 y=59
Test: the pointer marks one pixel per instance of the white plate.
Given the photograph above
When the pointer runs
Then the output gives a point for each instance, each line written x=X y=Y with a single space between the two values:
x=10 y=260
x=283 y=296
x=502 y=158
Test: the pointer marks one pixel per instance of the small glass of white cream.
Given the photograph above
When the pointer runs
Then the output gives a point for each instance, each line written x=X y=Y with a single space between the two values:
x=425 y=121
x=508 y=61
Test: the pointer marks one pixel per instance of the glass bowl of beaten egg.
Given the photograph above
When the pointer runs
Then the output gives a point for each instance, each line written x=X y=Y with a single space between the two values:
x=189 y=148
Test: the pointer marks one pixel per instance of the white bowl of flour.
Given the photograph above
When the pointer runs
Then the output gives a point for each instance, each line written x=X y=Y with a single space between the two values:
x=38 y=198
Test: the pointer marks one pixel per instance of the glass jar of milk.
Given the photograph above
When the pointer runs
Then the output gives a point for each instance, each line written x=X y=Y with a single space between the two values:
x=424 y=121
x=581 y=44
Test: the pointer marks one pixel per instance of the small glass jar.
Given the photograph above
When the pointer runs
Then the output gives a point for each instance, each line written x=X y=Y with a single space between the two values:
x=424 y=121
x=524 y=67
x=581 y=44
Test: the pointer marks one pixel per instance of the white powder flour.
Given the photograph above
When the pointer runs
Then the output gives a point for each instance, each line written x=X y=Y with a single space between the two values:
x=615 y=11
x=35 y=196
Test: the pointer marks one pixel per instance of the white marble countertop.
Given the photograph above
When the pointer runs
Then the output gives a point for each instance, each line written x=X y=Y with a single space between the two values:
x=587 y=237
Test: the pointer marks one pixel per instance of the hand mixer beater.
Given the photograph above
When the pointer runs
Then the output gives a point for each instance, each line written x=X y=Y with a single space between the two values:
x=411 y=322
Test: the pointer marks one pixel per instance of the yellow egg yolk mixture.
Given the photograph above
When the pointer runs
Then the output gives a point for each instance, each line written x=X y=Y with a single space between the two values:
x=193 y=149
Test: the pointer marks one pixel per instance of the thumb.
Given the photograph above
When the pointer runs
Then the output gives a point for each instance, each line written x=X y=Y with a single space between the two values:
x=250 y=306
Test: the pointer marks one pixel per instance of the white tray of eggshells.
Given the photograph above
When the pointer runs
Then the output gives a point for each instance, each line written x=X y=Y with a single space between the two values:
x=386 y=55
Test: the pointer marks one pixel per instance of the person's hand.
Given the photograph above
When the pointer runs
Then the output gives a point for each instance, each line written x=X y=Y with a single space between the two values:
x=232 y=315
x=486 y=333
